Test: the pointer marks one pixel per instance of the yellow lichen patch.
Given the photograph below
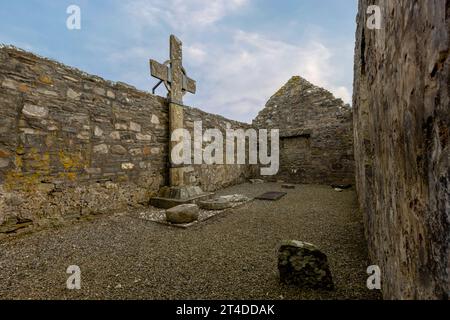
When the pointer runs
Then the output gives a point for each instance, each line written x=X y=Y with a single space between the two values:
x=20 y=150
x=15 y=180
x=72 y=160
x=68 y=175
x=23 y=88
x=39 y=162
x=45 y=80
x=18 y=162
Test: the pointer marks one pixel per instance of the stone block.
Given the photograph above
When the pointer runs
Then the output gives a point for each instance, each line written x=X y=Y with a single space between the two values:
x=143 y=137
x=135 y=127
x=127 y=166
x=115 y=135
x=98 y=132
x=34 y=111
x=304 y=265
x=72 y=94
x=154 y=120
x=182 y=214
x=118 y=149
x=101 y=148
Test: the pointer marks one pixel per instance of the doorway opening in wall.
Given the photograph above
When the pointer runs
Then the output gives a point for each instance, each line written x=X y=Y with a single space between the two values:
x=295 y=157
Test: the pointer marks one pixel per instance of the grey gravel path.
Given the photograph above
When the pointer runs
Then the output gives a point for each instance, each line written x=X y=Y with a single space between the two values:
x=232 y=256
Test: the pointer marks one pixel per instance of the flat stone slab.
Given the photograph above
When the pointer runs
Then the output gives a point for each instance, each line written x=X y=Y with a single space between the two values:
x=167 y=203
x=271 y=196
x=235 y=198
x=158 y=215
x=341 y=186
x=304 y=265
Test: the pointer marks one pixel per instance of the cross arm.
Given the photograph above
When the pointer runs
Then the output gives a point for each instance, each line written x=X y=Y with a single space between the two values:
x=162 y=72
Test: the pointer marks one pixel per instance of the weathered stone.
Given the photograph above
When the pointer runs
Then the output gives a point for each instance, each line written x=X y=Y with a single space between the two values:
x=115 y=135
x=235 y=198
x=182 y=214
x=135 y=127
x=101 y=148
x=302 y=264
x=288 y=186
x=4 y=153
x=93 y=170
x=256 y=181
x=402 y=140
x=47 y=92
x=84 y=135
x=10 y=84
x=118 y=149
x=127 y=166
x=99 y=132
x=45 y=187
x=99 y=91
x=121 y=126
x=111 y=186
x=4 y=163
x=34 y=111
x=136 y=152
x=110 y=94
x=45 y=79
x=70 y=78
x=155 y=119
x=71 y=94
x=143 y=137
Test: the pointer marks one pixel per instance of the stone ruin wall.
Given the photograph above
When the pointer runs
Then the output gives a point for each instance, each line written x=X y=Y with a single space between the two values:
x=73 y=145
x=401 y=120
x=316 y=134
x=214 y=177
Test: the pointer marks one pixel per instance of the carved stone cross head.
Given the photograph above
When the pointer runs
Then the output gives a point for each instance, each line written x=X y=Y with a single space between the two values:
x=172 y=73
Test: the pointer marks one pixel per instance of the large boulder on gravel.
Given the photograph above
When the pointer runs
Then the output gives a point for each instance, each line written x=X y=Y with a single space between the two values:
x=182 y=214
x=304 y=265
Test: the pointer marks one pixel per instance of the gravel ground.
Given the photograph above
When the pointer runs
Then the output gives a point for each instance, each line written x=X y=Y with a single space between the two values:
x=231 y=256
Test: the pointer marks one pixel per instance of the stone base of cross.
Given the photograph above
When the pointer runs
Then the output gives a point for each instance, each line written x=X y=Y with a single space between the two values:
x=174 y=77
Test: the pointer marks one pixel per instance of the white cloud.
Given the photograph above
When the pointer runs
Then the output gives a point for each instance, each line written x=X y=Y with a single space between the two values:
x=182 y=14
x=237 y=71
x=239 y=79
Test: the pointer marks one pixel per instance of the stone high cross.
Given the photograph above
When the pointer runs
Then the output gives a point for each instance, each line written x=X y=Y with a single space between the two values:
x=174 y=77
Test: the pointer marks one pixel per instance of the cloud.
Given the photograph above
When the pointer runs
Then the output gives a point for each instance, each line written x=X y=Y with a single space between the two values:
x=238 y=79
x=236 y=71
x=182 y=14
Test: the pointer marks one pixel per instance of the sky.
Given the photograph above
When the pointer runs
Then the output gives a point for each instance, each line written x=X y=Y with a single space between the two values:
x=240 y=52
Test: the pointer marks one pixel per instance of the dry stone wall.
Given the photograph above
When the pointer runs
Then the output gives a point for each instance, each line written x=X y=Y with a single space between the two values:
x=73 y=145
x=216 y=176
x=401 y=121
x=316 y=133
